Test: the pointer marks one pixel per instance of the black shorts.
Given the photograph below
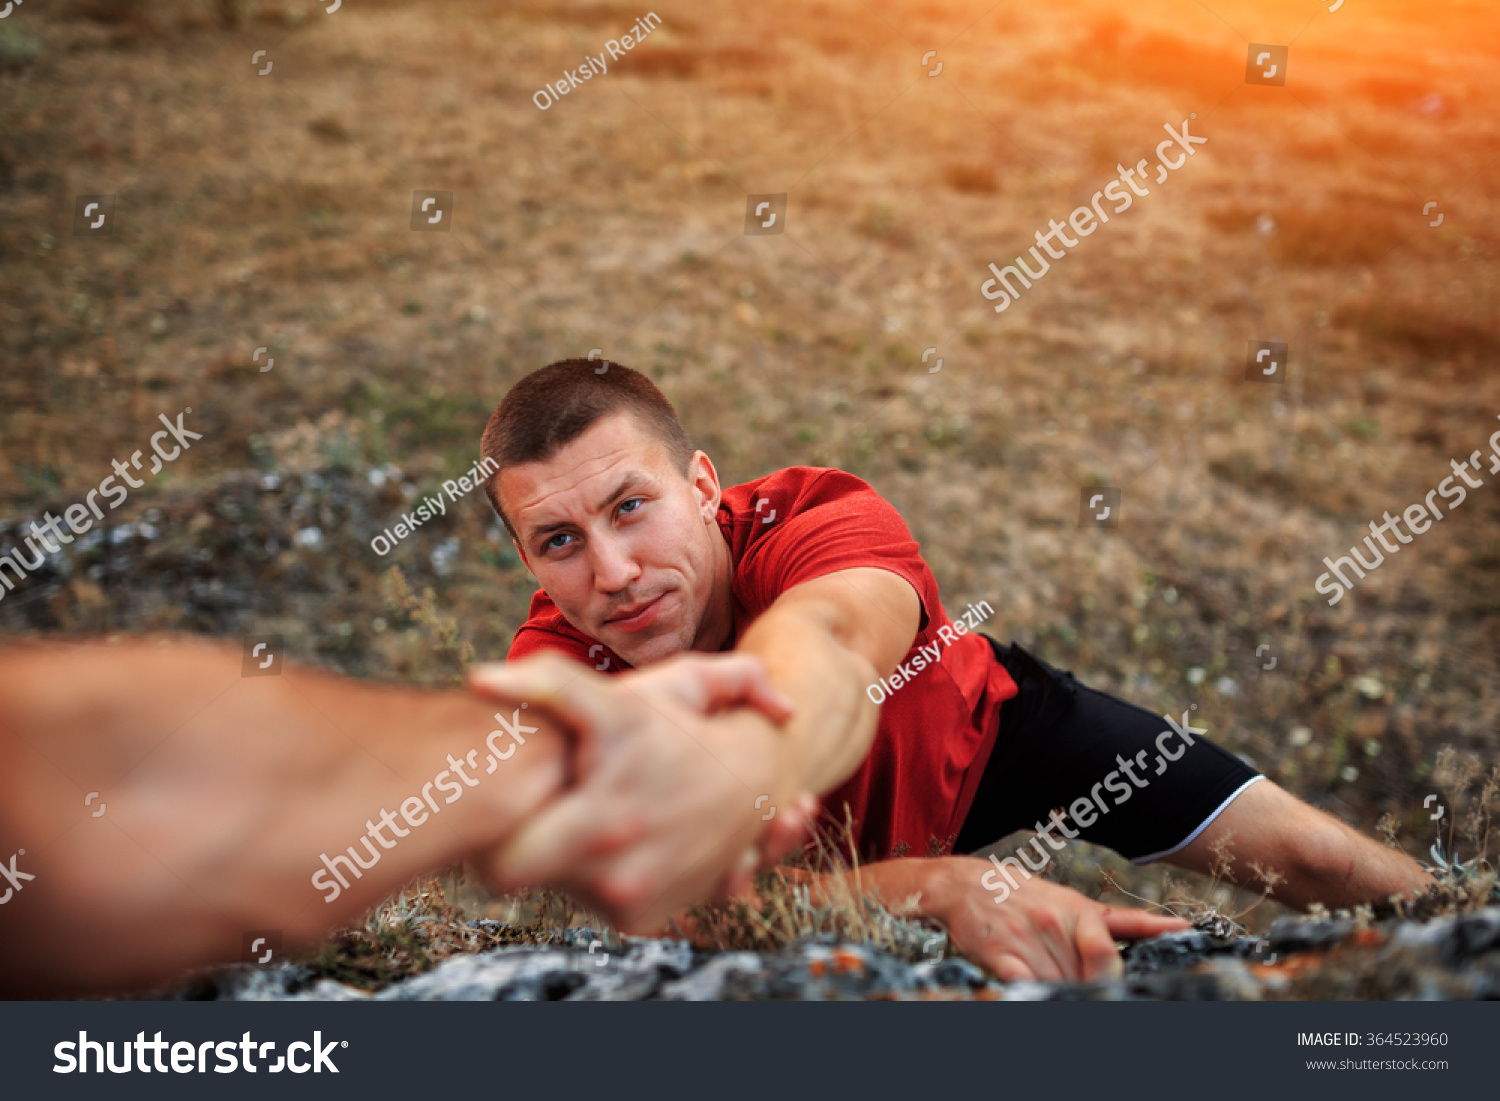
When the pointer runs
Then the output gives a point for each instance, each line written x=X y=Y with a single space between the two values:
x=1061 y=741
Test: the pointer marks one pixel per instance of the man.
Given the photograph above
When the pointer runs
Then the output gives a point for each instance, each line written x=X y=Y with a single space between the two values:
x=932 y=737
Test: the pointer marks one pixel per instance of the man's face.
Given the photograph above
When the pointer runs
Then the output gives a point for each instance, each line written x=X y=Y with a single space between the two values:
x=620 y=540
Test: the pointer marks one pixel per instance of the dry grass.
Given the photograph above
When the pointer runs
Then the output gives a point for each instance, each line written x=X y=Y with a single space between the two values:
x=1214 y=904
x=418 y=927
x=821 y=894
x=441 y=632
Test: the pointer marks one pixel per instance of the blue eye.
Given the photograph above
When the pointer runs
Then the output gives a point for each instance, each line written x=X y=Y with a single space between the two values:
x=552 y=544
x=633 y=501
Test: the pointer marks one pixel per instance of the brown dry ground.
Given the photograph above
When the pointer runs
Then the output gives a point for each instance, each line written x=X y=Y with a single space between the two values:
x=274 y=211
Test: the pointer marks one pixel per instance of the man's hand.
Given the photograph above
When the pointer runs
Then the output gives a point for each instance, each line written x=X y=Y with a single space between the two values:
x=1042 y=931
x=669 y=763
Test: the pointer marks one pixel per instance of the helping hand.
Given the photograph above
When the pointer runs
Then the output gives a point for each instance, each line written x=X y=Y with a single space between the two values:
x=668 y=763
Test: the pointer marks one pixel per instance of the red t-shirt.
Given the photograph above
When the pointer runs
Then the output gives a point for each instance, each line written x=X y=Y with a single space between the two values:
x=935 y=731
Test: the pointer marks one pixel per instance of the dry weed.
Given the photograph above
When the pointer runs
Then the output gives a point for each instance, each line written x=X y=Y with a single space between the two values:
x=416 y=928
x=822 y=895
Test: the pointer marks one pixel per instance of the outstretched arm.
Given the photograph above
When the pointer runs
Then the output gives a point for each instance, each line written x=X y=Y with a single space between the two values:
x=686 y=791
x=218 y=797
x=822 y=642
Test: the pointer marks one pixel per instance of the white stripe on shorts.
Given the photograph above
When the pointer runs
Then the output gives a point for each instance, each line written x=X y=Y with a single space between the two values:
x=1188 y=840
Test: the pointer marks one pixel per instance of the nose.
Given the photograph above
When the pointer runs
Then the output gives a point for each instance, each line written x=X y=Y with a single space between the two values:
x=614 y=567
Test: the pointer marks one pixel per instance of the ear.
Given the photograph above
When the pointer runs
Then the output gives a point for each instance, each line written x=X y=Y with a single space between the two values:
x=524 y=560
x=705 y=480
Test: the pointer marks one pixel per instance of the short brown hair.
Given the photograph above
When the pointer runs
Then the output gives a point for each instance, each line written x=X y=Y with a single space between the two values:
x=553 y=406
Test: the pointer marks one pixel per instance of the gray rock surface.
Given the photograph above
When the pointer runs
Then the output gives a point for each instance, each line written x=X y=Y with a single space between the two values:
x=1455 y=957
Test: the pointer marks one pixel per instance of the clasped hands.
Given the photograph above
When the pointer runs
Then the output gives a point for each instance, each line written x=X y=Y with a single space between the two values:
x=667 y=768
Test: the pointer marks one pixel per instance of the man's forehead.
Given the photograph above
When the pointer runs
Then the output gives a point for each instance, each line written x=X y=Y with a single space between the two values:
x=582 y=473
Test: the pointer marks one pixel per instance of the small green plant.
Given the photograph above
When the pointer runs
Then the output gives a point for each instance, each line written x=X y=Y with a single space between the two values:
x=1474 y=882
x=17 y=48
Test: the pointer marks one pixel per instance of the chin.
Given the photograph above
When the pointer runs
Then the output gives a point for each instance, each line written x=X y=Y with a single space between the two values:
x=653 y=650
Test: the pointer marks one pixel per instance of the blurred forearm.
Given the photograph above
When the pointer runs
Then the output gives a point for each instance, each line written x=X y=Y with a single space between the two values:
x=219 y=797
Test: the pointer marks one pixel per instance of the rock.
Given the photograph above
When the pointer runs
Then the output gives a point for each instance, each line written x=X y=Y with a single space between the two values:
x=1294 y=934
x=1447 y=958
x=1174 y=951
x=729 y=975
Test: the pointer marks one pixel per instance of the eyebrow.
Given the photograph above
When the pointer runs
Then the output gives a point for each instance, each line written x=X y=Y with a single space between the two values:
x=624 y=486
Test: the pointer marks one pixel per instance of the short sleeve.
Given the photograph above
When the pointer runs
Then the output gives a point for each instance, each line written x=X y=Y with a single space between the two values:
x=834 y=522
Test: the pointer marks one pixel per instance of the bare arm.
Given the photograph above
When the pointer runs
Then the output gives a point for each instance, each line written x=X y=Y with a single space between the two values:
x=220 y=797
x=676 y=760
x=1320 y=858
x=822 y=643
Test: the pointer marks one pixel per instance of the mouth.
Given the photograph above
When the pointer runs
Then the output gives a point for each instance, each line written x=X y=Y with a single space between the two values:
x=638 y=617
